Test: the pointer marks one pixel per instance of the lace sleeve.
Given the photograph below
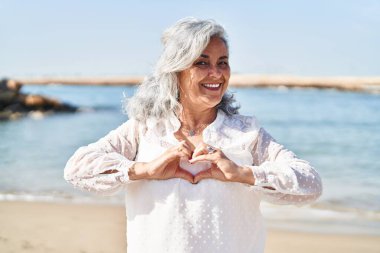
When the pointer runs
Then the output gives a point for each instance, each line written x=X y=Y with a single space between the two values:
x=281 y=176
x=102 y=167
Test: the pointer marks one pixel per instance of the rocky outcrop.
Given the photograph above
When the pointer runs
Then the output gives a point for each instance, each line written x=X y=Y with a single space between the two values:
x=14 y=104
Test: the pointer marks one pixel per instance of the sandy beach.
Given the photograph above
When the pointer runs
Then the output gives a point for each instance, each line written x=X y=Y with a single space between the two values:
x=51 y=227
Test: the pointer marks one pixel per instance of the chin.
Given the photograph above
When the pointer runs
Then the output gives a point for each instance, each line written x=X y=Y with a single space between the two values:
x=212 y=102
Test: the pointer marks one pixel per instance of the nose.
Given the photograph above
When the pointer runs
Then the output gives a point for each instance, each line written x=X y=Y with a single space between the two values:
x=214 y=71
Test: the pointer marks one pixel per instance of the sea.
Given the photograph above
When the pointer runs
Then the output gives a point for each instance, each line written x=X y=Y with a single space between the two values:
x=338 y=132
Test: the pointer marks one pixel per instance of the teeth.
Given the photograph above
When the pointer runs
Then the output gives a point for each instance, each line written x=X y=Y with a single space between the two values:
x=211 y=85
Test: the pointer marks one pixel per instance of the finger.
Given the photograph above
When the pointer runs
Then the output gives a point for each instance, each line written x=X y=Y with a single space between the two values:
x=200 y=149
x=173 y=152
x=182 y=151
x=185 y=148
x=206 y=157
x=189 y=149
x=185 y=154
x=202 y=175
x=186 y=145
x=184 y=174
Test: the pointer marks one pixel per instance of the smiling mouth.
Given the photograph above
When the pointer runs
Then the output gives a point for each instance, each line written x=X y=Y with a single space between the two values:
x=212 y=86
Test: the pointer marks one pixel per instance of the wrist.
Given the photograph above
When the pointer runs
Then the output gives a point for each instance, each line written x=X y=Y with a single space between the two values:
x=138 y=170
x=246 y=175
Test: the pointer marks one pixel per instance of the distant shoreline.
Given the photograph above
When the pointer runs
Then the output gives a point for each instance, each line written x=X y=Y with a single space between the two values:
x=360 y=84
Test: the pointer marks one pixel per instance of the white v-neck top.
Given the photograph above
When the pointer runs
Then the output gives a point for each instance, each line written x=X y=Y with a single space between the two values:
x=211 y=216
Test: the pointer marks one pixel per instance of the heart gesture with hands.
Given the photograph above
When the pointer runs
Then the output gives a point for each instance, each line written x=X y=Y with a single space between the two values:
x=167 y=165
x=222 y=168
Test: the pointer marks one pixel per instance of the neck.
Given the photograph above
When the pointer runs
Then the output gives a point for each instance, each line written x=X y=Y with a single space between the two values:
x=194 y=118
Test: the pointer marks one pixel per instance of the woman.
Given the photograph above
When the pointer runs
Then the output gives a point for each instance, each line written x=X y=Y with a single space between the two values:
x=193 y=169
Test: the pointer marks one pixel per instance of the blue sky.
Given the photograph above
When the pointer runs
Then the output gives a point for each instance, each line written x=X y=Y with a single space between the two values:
x=106 y=38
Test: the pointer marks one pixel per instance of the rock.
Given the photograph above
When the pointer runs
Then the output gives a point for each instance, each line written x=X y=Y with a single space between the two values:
x=13 y=85
x=14 y=104
x=9 y=90
x=38 y=102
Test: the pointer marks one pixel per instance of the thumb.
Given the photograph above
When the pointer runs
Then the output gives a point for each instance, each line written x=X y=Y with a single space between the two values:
x=202 y=175
x=184 y=174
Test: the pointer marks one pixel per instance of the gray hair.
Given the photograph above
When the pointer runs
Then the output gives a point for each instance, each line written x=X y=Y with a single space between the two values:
x=158 y=94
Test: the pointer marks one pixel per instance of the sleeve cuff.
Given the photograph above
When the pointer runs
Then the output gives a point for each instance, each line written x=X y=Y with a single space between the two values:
x=262 y=178
x=124 y=169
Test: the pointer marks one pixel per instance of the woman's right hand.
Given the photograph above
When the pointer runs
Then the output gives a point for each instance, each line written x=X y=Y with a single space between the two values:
x=166 y=166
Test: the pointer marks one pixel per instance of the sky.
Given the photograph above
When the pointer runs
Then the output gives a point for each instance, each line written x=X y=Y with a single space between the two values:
x=112 y=38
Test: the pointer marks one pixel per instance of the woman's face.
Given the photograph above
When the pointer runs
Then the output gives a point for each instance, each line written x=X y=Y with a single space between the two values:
x=204 y=83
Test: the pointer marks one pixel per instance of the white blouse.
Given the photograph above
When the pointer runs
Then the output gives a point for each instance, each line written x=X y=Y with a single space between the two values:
x=211 y=216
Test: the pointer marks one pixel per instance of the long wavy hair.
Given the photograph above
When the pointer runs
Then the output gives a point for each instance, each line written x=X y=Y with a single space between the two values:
x=158 y=94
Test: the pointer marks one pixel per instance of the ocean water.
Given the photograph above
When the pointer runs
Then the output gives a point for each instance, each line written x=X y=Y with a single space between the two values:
x=337 y=132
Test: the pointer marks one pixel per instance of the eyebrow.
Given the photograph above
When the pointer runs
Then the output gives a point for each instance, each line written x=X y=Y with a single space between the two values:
x=206 y=56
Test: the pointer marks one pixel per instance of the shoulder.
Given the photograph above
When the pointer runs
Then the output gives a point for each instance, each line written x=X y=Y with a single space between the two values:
x=129 y=127
x=129 y=124
x=242 y=123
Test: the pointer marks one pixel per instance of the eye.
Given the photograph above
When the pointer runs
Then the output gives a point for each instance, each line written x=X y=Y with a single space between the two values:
x=201 y=63
x=223 y=64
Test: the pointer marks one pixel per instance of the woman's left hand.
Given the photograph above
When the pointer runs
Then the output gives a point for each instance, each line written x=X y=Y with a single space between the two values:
x=222 y=168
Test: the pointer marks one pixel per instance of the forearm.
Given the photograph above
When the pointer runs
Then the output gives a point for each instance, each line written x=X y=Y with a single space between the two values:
x=245 y=175
x=138 y=171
